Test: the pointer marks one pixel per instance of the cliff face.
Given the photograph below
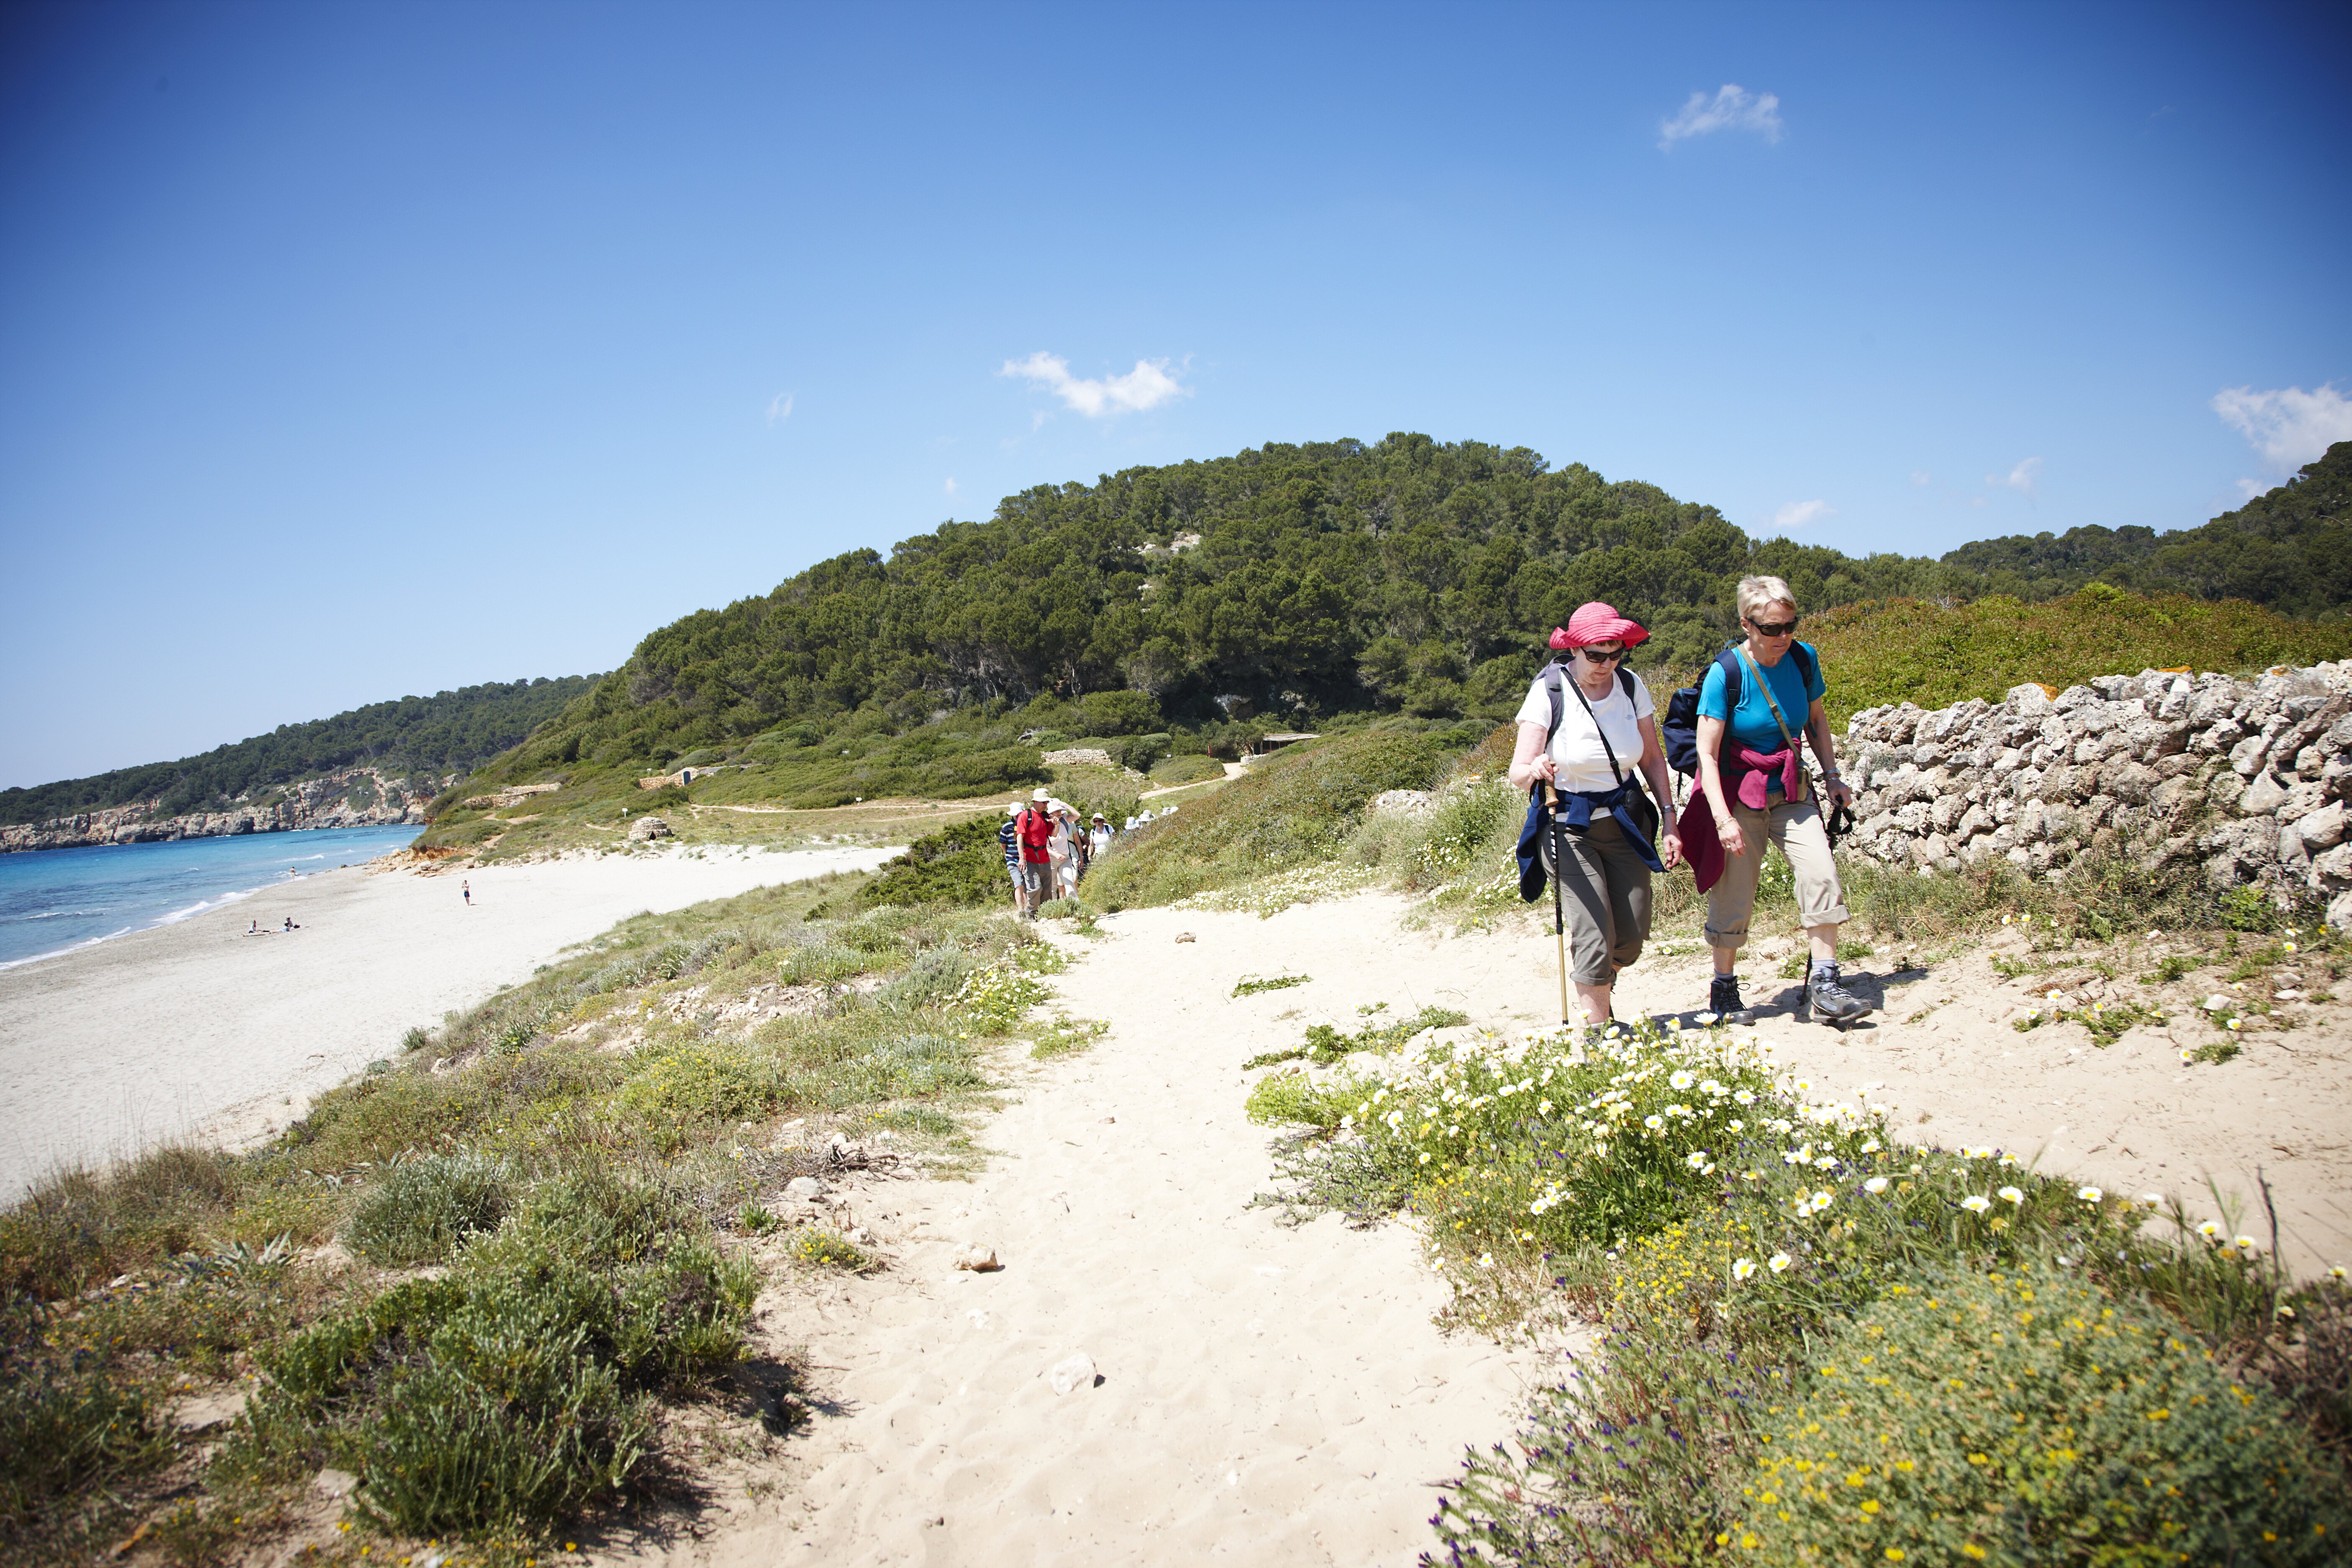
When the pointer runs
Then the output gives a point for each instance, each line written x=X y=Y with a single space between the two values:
x=352 y=797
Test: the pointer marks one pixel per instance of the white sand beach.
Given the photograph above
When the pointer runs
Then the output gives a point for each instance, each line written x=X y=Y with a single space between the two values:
x=197 y=1029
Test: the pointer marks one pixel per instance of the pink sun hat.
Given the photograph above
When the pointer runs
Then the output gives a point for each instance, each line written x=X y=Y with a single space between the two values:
x=1596 y=621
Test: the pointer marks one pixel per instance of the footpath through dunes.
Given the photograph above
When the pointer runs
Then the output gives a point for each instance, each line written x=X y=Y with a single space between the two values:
x=198 y=1029
x=1267 y=1393
x=1270 y=1394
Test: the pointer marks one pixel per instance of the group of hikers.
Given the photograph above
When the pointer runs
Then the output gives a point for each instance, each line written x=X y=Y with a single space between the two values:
x=1590 y=740
x=1047 y=849
x=1589 y=736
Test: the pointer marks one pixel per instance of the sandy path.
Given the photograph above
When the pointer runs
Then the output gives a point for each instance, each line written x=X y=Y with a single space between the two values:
x=1280 y=1396
x=2131 y=1117
x=1269 y=1395
x=197 y=1028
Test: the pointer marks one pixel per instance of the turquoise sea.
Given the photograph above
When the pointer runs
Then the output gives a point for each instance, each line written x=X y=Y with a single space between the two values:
x=53 y=900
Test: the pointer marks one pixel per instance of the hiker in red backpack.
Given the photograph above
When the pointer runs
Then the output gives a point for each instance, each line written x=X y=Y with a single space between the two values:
x=1034 y=827
x=1751 y=777
x=1586 y=729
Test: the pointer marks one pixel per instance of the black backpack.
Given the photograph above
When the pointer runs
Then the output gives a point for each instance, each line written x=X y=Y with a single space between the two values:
x=1679 y=733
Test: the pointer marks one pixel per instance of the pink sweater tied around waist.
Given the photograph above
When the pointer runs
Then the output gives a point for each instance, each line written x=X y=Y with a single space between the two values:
x=1760 y=767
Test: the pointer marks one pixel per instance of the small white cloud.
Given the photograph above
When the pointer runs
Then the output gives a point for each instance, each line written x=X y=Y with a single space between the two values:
x=1801 y=514
x=950 y=486
x=779 y=409
x=1147 y=385
x=1921 y=477
x=2021 y=478
x=2290 y=426
x=2250 y=489
x=1733 y=108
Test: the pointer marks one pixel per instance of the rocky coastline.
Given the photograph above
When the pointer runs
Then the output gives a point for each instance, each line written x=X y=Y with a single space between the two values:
x=2246 y=779
x=350 y=797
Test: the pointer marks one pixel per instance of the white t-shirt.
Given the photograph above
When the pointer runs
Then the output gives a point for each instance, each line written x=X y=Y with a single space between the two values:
x=1576 y=749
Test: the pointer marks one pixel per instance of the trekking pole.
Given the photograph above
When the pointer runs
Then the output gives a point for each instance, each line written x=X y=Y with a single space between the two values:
x=1559 y=912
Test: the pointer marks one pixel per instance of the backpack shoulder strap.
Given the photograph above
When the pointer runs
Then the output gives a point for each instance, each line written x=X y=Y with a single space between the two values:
x=1804 y=665
x=1552 y=676
x=1728 y=663
x=1625 y=682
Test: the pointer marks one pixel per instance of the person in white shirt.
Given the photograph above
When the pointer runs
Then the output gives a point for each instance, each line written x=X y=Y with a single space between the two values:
x=1099 y=835
x=1604 y=863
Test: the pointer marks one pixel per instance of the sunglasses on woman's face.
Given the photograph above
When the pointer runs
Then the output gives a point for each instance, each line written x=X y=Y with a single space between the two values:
x=1774 y=629
x=1603 y=655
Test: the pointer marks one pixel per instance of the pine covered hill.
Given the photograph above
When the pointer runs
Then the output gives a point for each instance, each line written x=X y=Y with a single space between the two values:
x=452 y=732
x=2290 y=550
x=1283 y=584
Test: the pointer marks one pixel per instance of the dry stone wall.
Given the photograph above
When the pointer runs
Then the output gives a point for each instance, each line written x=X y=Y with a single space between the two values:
x=2246 y=780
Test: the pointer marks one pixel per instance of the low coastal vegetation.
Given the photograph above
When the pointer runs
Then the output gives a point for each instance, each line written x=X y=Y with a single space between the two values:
x=1818 y=1344
x=500 y=1281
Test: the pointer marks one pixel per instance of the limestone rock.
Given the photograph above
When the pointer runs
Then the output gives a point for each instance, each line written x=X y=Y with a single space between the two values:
x=978 y=1260
x=1185 y=936
x=804 y=1189
x=1073 y=1372
x=333 y=1484
x=2324 y=828
x=2264 y=795
x=2302 y=800
x=1401 y=803
x=2027 y=699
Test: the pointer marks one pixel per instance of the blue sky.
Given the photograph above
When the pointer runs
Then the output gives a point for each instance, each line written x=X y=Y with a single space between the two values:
x=352 y=351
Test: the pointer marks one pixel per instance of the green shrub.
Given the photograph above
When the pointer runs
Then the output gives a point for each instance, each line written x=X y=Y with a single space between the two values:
x=964 y=863
x=507 y=1396
x=901 y=1067
x=1326 y=1045
x=829 y=1249
x=2026 y=1417
x=60 y=1435
x=822 y=963
x=1466 y=820
x=1250 y=985
x=1292 y=1097
x=84 y=1225
x=932 y=981
x=676 y=1085
x=419 y=1210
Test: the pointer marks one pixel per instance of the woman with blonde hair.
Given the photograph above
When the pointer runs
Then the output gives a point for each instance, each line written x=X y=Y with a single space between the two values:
x=1752 y=781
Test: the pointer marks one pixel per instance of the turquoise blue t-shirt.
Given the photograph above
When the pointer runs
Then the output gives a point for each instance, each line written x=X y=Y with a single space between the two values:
x=1753 y=726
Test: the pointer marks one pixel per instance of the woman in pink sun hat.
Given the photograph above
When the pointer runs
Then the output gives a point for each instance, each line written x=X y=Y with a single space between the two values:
x=1586 y=729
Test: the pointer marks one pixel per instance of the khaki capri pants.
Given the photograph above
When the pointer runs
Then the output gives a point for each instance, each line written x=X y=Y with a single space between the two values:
x=1797 y=830
x=1605 y=895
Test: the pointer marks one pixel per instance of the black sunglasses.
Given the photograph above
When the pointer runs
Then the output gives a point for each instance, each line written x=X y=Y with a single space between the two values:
x=1774 y=629
x=1603 y=656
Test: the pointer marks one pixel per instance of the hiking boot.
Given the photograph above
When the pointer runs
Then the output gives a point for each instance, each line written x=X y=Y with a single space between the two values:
x=1831 y=1002
x=1722 y=1001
